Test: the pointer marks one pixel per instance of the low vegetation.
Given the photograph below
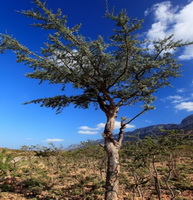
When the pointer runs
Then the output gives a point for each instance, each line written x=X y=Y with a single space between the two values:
x=157 y=167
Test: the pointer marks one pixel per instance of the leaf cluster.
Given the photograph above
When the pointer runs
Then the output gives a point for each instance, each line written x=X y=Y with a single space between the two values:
x=118 y=70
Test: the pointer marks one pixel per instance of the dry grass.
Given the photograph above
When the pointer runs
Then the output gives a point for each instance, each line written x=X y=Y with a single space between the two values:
x=69 y=177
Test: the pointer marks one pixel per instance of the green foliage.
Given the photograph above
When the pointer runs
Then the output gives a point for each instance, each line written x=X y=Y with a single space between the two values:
x=6 y=164
x=34 y=186
x=122 y=68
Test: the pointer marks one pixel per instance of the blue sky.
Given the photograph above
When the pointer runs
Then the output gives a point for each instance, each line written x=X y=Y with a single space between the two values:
x=31 y=124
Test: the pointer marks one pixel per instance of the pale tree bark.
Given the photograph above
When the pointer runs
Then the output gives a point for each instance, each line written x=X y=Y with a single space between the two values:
x=113 y=170
x=112 y=148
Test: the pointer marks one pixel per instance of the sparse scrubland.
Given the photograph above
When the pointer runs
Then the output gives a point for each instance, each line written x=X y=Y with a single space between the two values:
x=153 y=168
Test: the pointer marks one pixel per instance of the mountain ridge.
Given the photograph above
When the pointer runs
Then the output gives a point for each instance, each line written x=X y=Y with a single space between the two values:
x=186 y=125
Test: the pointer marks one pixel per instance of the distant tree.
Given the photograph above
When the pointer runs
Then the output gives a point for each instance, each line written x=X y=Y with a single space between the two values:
x=109 y=73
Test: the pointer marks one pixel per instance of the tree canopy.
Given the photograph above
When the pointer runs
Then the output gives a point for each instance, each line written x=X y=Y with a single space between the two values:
x=119 y=70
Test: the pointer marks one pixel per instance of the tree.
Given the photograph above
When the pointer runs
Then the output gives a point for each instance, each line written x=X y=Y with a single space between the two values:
x=109 y=73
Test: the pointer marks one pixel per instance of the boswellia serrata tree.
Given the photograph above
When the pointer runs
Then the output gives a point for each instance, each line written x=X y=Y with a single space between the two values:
x=109 y=72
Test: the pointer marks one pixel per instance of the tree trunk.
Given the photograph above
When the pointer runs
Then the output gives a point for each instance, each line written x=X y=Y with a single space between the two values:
x=112 y=148
x=113 y=169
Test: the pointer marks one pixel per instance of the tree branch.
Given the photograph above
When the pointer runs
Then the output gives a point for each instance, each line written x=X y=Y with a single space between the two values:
x=124 y=124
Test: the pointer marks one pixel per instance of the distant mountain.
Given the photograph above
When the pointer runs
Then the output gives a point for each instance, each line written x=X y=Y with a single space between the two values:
x=186 y=125
x=150 y=130
x=73 y=147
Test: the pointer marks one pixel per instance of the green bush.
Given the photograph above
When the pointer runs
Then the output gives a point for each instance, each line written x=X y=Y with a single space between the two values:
x=34 y=185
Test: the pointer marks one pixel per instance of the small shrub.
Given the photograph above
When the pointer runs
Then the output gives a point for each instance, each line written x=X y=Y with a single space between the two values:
x=34 y=186
x=181 y=198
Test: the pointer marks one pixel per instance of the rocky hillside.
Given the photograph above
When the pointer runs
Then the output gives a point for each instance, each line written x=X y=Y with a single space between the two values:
x=186 y=124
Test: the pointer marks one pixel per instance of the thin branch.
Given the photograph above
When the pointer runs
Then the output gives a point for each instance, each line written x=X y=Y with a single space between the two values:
x=155 y=58
x=121 y=102
x=121 y=132
x=144 y=110
x=123 y=125
x=126 y=63
x=41 y=58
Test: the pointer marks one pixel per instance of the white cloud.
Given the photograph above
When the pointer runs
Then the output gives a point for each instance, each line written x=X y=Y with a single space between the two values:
x=130 y=126
x=118 y=124
x=98 y=126
x=187 y=54
x=89 y=130
x=86 y=128
x=54 y=140
x=173 y=20
x=181 y=90
x=177 y=98
x=181 y=102
x=163 y=16
x=188 y=106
